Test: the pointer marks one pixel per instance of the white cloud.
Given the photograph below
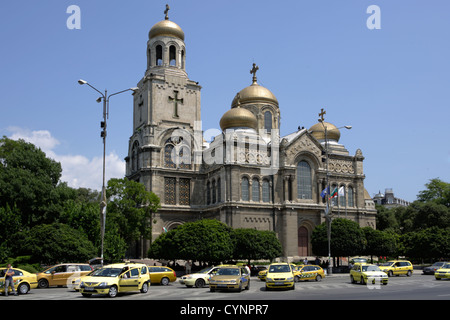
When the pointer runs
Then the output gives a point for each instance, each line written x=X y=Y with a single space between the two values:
x=77 y=170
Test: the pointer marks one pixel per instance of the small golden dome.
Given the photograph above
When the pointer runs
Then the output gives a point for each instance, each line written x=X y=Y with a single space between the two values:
x=255 y=93
x=166 y=28
x=238 y=118
x=318 y=131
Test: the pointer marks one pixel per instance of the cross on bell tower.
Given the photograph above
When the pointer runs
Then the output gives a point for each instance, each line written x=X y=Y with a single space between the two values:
x=175 y=103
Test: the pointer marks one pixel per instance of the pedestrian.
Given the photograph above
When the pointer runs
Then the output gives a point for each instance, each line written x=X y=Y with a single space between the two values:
x=188 y=266
x=305 y=261
x=9 y=280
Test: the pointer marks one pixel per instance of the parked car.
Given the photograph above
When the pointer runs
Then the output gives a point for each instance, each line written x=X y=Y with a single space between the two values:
x=62 y=274
x=23 y=281
x=365 y=273
x=162 y=275
x=116 y=278
x=230 y=278
x=397 y=267
x=308 y=272
x=431 y=269
x=201 y=278
x=443 y=272
x=280 y=275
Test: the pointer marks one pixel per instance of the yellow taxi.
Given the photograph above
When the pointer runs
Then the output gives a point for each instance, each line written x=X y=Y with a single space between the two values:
x=62 y=274
x=231 y=277
x=280 y=275
x=162 y=275
x=116 y=278
x=443 y=272
x=397 y=267
x=367 y=273
x=201 y=278
x=262 y=275
x=308 y=272
x=23 y=281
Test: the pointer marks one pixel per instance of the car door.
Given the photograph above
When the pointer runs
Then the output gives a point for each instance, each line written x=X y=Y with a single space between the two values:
x=59 y=276
x=129 y=281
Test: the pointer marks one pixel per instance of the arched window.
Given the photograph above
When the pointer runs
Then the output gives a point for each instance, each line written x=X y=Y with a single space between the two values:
x=268 y=121
x=255 y=190
x=168 y=156
x=244 y=190
x=135 y=157
x=159 y=55
x=219 y=191
x=350 y=197
x=304 y=180
x=265 y=191
x=208 y=193
x=341 y=195
x=213 y=192
x=172 y=56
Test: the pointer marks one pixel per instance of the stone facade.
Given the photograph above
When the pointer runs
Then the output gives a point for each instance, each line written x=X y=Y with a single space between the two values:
x=245 y=177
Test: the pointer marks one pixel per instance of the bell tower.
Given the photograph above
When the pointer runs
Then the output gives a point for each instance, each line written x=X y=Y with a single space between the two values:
x=167 y=104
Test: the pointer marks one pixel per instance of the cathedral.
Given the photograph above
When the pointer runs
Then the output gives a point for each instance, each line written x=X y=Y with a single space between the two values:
x=248 y=176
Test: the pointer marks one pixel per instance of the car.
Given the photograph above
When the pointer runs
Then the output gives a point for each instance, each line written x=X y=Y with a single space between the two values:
x=397 y=267
x=116 y=278
x=280 y=275
x=75 y=285
x=201 y=278
x=431 y=269
x=230 y=278
x=443 y=272
x=162 y=275
x=23 y=280
x=365 y=273
x=308 y=272
x=62 y=274
x=262 y=275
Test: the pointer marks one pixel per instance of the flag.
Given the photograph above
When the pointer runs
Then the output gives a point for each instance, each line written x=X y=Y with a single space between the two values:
x=341 y=192
x=334 y=193
x=164 y=229
x=324 y=192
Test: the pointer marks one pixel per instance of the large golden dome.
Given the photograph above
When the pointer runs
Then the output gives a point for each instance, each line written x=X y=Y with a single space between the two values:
x=255 y=93
x=238 y=118
x=166 y=28
x=318 y=131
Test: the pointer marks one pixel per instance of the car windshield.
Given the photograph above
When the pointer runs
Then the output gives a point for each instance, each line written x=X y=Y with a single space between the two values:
x=437 y=264
x=107 y=272
x=280 y=268
x=227 y=272
x=370 y=268
x=205 y=270
x=446 y=266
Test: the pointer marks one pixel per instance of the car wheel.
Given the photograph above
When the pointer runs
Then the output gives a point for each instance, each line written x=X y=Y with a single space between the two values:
x=240 y=286
x=23 y=288
x=352 y=280
x=165 y=281
x=362 y=280
x=390 y=274
x=199 y=283
x=408 y=274
x=144 y=288
x=248 y=285
x=112 y=292
x=296 y=278
x=86 y=295
x=43 y=283
x=319 y=278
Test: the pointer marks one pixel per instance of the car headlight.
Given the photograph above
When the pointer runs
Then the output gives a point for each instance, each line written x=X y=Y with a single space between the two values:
x=102 y=284
x=290 y=279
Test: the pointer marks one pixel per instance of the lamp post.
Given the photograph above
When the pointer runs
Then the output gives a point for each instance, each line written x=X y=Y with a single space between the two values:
x=105 y=97
x=327 y=210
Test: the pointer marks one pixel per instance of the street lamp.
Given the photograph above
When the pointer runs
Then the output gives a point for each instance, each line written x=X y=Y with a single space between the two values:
x=105 y=98
x=327 y=188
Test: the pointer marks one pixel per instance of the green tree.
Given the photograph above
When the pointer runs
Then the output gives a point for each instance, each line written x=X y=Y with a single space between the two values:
x=254 y=244
x=53 y=243
x=437 y=191
x=28 y=180
x=380 y=243
x=205 y=240
x=347 y=239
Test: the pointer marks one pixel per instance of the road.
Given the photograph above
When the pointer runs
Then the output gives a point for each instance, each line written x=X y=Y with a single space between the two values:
x=335 y=287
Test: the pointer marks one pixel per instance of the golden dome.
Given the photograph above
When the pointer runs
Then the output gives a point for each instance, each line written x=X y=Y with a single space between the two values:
x=318 y=131
x=166 y=28
x=255 y=93
x=238 y=118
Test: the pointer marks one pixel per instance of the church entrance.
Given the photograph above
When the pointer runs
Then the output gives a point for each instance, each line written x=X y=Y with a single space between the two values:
x=303 y=241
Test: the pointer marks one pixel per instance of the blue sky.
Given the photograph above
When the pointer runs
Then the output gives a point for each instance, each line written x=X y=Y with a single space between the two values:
x=391 y=84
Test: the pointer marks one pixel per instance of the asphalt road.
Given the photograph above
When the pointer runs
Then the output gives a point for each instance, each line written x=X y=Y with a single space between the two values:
x=335 y=287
